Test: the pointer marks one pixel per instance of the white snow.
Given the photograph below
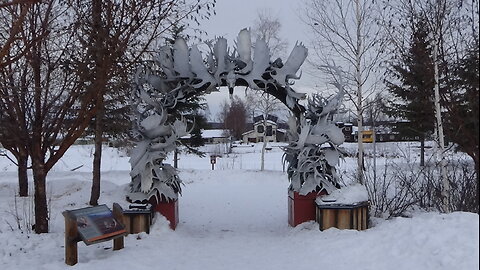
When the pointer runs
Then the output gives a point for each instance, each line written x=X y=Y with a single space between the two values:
x=214 y=133
x=234 y=217
x=211 y=133
x=350 y=194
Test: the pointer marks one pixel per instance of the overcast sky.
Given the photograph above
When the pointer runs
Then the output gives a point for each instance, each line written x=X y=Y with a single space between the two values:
x=234 y=15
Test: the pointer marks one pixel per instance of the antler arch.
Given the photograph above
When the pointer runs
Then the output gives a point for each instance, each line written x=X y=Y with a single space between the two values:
x=178 y=73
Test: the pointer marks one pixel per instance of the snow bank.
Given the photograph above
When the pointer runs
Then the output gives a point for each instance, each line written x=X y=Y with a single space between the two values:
x=229 y=219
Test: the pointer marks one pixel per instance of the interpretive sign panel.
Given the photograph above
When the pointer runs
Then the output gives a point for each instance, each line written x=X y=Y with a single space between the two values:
x=96 y=223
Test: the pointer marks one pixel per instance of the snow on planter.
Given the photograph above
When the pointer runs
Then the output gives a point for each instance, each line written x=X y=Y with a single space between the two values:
x=351 y=194
x=345 y=208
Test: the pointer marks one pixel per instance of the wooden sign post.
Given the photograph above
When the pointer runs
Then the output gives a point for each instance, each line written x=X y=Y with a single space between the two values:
x=213 y=161
x=91 y=225
x=137 y=218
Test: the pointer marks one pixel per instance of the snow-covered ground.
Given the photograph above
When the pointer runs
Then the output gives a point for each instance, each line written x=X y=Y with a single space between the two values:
x=234 y=217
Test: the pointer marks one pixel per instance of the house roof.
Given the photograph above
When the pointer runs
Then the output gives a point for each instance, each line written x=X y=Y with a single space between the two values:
x=268 y=122
x=247 y=132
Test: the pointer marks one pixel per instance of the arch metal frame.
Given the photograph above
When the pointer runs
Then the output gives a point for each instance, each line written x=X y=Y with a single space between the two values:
x=178 y=73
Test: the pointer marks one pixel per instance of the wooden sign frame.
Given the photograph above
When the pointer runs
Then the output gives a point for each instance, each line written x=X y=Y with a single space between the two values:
x=92 y=225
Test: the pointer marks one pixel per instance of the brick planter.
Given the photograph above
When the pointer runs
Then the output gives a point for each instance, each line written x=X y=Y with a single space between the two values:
x=169 y=210
x=302 y=208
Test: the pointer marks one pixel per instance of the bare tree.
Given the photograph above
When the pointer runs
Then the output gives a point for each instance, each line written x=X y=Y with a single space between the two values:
x=346 y=35
x=267 y=27
x=12 y=17
x=43 y=99
x=265 y=105
x=52 y=94
x=234 y=117
x=115 y=35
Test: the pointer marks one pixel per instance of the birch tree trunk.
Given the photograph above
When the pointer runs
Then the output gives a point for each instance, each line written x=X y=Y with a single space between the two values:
x=440 y=135
x=358 y=70
x=262 y=166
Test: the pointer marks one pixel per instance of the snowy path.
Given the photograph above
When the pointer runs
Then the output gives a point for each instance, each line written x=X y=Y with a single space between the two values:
x=237 y=203
x=230 y=219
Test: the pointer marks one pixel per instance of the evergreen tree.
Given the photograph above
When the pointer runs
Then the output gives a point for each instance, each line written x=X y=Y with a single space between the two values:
x=411 y=82
x=462 y=117
x=196 y=139
x=192 y=109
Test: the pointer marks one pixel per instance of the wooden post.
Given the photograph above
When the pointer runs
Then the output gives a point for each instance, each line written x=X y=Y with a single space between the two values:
x=139 y=224
x=213 y=161
x=71 y=239
x=364 y=218
x=118 y=243
x=354 y=220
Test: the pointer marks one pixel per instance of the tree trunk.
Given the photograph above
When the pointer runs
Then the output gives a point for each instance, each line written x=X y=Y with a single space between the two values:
x=477 y=193
x=422 y=152
x=175 y=158
x=262 y=164
x=22 y=175
x=358 y=68
x=40 y=198
x=439 y=125
x=36 y=152
x=99 y=82
x=97 y=156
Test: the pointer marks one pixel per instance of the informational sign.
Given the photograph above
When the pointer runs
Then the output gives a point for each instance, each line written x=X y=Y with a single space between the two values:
x=96 y=223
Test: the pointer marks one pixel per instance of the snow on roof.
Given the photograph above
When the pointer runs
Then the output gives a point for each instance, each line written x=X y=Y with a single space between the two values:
x=381 y=129
x=214 y=133
x=247 y=132
x=354 y=129
x=211 y=133
x=268 y=122
x=384 y=129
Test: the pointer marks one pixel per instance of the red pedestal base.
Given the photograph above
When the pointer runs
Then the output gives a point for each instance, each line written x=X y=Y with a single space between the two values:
x=301 y=208
x=169 y=210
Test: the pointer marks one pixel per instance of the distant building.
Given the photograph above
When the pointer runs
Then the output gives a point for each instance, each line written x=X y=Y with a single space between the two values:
x=212 y=136
x=347 y=129
x=270 y=130
x=385 y=131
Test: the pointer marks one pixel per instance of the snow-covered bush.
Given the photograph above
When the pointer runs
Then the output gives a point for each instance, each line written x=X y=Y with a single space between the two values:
x=401 y=187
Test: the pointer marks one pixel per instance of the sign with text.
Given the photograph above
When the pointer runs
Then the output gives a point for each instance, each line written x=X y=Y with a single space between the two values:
x=96 y=223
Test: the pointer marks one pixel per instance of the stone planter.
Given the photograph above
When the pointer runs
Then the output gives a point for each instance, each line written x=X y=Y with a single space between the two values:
x=301 y=208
